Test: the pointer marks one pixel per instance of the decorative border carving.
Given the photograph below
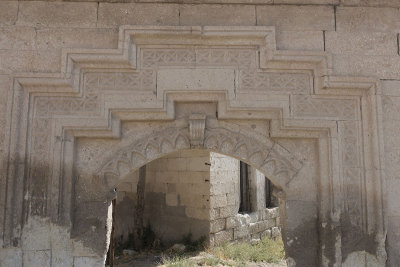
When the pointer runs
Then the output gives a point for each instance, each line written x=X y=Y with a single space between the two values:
x=266 y=155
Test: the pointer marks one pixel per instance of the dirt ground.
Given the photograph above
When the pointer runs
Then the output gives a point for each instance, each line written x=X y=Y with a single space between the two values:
x=155 y=259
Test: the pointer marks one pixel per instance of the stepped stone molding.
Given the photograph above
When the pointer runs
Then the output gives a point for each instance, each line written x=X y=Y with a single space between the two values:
x=294 y=91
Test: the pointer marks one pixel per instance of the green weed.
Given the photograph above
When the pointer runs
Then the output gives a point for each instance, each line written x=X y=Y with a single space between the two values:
x=267 y=250
x=177 y=261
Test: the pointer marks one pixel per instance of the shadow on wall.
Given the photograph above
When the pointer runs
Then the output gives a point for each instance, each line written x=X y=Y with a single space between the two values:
x=196 y=194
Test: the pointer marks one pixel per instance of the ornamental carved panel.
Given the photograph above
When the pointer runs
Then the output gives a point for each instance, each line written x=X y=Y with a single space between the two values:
x=241 y=71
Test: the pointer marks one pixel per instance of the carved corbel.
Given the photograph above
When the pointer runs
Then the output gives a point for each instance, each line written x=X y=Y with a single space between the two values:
x=197 y=125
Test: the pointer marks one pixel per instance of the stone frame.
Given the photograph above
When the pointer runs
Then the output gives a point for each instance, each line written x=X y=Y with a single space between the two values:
x=343 y=113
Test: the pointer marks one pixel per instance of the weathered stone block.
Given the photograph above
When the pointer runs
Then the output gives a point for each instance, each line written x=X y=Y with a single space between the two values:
x=300 y=211
x=115 y=14
x=31 y=38
x=308 y=2
x=220 y=188
x=392 y=157
x=256 y=227
x=230 y=222
x=17 y=38
x=266 y=233
x=217 y=225
x=171 y=199
x=224 y=163
x=171 y=188
x=270 y=213
x=36 y=235
x=5 y=83
x=88 y=261
x=193 y=200
x=228 y=211
x=214 y=213
x=275 y=232
x=269 y=223
x=176 y=164
x=8 y=12
x=50 y=38
x=241 y=232
x=201 y=214
x=11 y=257
x=38 y=258
x=198 y=164
x=126 y=187
x=217 y=15
x=173 y=174
x=300 y=40
x=217 y=201
x=390 y=88
x=61 y=247
x=367 y=19
x=57 y=14
x=211 y=240
x=223 y=236
x=61 y=258
x=386 y=67
x=29 y=61
x=391 y=109
x=393 y=240
x=362 y=43
x=233 y=198
x=375 y=3
x=393 y=198
x=296 y=18
x=195 y=177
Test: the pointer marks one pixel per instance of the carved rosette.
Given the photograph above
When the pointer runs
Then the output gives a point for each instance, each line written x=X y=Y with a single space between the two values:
x=197 y=125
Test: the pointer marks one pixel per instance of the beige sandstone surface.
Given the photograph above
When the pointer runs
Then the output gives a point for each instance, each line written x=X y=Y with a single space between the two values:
x=306 y=91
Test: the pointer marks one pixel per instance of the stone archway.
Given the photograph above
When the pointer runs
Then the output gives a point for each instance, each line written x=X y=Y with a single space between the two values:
x=145 y=79
x=199 y=131
x=261 y=152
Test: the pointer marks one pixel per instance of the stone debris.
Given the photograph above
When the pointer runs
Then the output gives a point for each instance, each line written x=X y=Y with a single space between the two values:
x=177 y=248
x=129 y=252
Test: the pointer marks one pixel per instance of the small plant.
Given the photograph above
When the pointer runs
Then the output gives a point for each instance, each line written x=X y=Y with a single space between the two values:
x=177 y=261
x=267 y=250
x=212 y=261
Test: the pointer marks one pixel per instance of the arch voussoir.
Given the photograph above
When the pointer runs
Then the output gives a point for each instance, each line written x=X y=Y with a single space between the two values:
x=269 y=159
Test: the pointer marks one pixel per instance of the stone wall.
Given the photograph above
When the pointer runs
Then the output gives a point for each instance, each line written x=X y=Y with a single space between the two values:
x=356 y=37
x=177 y=196
x=124 y=210
x=195 y=192
x=391 y=126
x=226 y=223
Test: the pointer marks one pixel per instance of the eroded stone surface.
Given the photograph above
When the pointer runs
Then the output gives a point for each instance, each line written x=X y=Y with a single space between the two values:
x=326 y=142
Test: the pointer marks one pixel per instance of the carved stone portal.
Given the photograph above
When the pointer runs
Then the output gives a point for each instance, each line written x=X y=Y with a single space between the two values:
x=74 y=137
